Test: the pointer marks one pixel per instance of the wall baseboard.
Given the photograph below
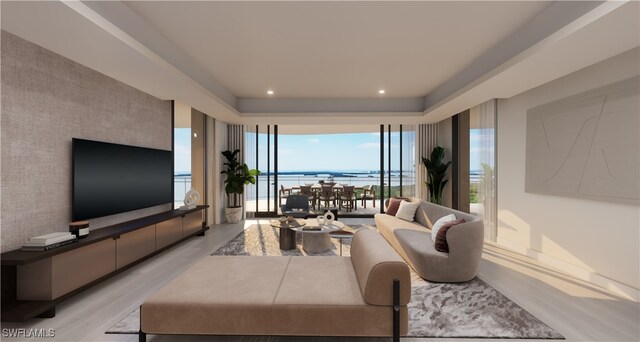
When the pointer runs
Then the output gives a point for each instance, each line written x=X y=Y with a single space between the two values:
x=610 y=285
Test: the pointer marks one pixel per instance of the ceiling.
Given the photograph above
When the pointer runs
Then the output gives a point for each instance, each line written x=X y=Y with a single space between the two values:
x=334 y=49
x=326 y=61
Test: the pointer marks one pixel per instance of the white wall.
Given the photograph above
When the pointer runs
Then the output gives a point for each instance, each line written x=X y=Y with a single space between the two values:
x=593 y=240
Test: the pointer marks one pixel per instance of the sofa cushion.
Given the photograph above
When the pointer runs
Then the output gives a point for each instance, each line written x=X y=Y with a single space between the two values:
x=407 y=210
x=421 y=252
x=440 y=223
x=229 y=295
x=320 y=279
x=394 y=205
x=323 y=291
x=376 y=265
x=441 y=239
x=387 y=224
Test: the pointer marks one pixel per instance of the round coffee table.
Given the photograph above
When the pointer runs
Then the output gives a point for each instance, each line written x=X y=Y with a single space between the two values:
x=315 y=238
x=288 y=233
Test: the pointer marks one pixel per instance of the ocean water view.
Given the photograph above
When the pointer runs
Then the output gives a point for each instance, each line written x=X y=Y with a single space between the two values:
x=288 y=179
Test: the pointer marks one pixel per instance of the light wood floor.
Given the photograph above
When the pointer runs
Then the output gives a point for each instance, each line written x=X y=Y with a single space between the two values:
x=577 y=310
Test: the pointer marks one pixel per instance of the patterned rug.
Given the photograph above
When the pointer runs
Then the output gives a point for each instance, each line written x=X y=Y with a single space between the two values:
x=462 y=310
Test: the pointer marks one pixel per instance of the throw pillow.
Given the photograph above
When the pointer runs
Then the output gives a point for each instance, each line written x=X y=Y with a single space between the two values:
x=394 y=204
x=441 y=240
x=439 y=223
x=407 y=210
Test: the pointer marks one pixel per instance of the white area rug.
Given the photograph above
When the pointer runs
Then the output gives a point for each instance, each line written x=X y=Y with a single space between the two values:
x=469 y=310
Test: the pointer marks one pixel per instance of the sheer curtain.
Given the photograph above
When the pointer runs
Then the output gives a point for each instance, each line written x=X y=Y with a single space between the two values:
x=483 y=151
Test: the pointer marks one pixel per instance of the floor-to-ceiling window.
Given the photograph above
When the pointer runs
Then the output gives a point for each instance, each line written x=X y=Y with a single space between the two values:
x=189 y=152
x=378 y=161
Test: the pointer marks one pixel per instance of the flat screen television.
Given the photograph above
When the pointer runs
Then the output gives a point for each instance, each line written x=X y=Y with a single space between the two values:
x=111 y=178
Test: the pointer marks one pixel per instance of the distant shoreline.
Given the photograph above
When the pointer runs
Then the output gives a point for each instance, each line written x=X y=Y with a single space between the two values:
x=347 y=173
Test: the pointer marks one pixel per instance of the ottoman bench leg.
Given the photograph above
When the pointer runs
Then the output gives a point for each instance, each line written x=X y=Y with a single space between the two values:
x=142 y=337
x=396 y=310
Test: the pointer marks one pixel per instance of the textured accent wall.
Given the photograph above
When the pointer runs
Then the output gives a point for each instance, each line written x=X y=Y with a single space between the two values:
x=47 y=100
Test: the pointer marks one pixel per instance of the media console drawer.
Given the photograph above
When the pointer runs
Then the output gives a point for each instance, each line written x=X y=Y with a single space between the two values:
x=56 y=276
x=135 y=245
x=191 y=223
x=168 y=232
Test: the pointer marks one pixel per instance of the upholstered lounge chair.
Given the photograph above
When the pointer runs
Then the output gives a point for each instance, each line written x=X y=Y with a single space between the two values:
x=296 y=206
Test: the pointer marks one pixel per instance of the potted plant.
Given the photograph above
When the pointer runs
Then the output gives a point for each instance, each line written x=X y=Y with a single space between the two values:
x=238 y=175
x=436 y=171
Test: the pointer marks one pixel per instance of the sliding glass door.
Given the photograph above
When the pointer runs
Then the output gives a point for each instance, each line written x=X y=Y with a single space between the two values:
x=260 y=148
x=398 y=162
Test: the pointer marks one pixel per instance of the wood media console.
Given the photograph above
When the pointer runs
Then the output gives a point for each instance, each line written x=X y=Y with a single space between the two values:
x=33 y=283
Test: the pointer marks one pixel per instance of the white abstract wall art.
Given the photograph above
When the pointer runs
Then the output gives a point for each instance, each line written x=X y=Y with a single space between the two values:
x=587 y=145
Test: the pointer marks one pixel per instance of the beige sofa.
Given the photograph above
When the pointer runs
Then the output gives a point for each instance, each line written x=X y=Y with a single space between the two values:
x=413 y=242
x=297 y=296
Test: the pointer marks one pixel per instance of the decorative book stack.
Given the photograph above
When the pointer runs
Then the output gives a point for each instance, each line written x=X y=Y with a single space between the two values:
x=49 y=241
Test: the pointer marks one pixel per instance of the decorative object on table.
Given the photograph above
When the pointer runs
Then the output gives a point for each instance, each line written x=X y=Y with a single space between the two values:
x=329 y=217
x=334 y=210
x=282 y=219
x=191 y=199
x=436 y=172
x=321 y=220
x=238 y=175
x=289 y=218
x=49 y=241
x=79 y=228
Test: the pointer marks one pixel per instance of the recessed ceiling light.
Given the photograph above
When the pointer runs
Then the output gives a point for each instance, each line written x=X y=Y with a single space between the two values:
x=270 y=92
x=381 y=91
x=195 y=135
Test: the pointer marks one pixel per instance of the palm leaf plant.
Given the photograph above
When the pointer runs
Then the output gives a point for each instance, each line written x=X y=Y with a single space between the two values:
x=436 y=172
x=238 y=175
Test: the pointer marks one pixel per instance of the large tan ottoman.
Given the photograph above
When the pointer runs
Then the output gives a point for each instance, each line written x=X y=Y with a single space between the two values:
x=297 y=296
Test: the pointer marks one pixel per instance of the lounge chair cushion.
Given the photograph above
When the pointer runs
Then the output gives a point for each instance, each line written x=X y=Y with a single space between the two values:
x=323 y=291
x=217 y=295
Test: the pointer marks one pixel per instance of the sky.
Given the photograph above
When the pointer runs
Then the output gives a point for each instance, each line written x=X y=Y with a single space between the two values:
x=182 y=148
x=337 y=152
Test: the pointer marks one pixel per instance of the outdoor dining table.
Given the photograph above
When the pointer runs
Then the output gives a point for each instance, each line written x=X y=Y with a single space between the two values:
x=318 y=187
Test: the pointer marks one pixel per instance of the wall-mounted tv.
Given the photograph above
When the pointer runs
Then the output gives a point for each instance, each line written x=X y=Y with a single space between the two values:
x=111 y=178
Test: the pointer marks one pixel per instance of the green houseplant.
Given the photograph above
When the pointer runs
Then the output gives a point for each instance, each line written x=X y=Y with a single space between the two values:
x=436 y=172
x=238 y=175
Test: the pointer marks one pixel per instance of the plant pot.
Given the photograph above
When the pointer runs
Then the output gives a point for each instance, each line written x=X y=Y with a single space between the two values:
x=233 y=215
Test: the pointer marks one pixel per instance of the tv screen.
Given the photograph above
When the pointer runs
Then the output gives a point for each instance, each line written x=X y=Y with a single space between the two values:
x=111 y=178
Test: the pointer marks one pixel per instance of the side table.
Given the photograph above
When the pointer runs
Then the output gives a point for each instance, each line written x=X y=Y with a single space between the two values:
x=341 y=234
x=287 y=233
